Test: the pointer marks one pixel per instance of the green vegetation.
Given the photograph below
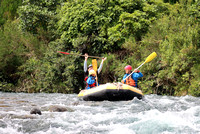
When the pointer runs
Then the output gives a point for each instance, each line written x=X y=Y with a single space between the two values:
x=124 y=31
x=8 y=9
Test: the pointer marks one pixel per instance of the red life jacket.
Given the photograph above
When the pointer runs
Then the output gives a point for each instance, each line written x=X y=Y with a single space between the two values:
x=86 y=82
x=86 y=78
x=91 y=85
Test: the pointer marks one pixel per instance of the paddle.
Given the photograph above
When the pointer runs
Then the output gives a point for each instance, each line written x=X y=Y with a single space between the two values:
x=94 y=64
x=148 y=59
x=79 y=55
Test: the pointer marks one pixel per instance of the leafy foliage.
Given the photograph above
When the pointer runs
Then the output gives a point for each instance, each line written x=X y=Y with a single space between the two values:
x=15 y=48
x=39 y=15
x=124 y=31
x=99 y=26
x=8 y=10
x=179 y=55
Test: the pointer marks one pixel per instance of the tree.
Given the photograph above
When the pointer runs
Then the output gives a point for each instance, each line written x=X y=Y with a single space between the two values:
x=8 y=10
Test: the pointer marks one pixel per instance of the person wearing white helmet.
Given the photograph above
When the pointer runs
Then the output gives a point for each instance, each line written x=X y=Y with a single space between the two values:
x=90 y=67
x=91 y=81
x=131 y=80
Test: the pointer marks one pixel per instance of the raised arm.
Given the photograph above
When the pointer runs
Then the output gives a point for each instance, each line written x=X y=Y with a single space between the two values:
x=85 y=63
x=101 y=65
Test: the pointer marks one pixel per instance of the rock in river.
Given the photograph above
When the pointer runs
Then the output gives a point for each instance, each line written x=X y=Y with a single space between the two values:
x=56 y=108
x=36 y=111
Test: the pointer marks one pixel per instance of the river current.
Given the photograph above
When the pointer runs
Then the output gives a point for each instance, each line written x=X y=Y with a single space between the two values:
x=154 y=115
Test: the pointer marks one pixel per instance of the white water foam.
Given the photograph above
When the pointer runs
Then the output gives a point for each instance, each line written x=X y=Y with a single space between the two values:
x=157 y=115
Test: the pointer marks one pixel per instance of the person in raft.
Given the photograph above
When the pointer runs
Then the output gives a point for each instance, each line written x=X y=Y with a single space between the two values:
x=131 y=80
x=91 y=81
x=90 y=67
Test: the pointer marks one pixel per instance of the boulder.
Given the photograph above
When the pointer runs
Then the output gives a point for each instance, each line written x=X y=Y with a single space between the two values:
x=36 y=111
x=56 y=108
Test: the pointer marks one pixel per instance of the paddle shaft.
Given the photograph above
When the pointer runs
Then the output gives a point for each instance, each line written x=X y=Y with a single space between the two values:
x=88 y=56
x=80 y=55
x=97 y=81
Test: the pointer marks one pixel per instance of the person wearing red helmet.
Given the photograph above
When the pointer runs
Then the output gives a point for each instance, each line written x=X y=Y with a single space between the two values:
x=131 y=80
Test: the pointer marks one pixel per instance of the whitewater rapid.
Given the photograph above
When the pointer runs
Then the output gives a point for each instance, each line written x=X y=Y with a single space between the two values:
x=154 y=115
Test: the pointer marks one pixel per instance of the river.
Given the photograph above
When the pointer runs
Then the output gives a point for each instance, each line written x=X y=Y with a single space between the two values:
x=154 y=115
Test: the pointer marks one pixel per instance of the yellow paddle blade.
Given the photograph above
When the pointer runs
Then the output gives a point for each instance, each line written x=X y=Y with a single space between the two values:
x=94 y=64
x=150 y=57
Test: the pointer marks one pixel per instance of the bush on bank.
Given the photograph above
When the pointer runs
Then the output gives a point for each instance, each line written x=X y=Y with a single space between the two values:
x=124 y=31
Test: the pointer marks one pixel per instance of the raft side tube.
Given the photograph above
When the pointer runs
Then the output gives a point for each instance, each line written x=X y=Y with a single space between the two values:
x=111 y=92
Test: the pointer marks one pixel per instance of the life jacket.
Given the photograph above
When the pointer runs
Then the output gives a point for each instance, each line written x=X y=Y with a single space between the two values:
x=131 y=82
x=89 y=85
x=92 y=85
x=86 y=82
x=86 y=78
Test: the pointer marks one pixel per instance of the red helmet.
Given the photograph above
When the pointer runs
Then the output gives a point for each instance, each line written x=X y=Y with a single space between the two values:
x=128 y=67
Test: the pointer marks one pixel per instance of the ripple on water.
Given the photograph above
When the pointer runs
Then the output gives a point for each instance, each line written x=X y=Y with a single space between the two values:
x=156 y=114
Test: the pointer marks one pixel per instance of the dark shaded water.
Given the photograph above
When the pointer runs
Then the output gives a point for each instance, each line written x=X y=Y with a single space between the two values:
x=155 y=115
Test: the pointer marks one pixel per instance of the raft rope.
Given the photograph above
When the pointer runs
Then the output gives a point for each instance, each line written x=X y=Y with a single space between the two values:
x=119 y=85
